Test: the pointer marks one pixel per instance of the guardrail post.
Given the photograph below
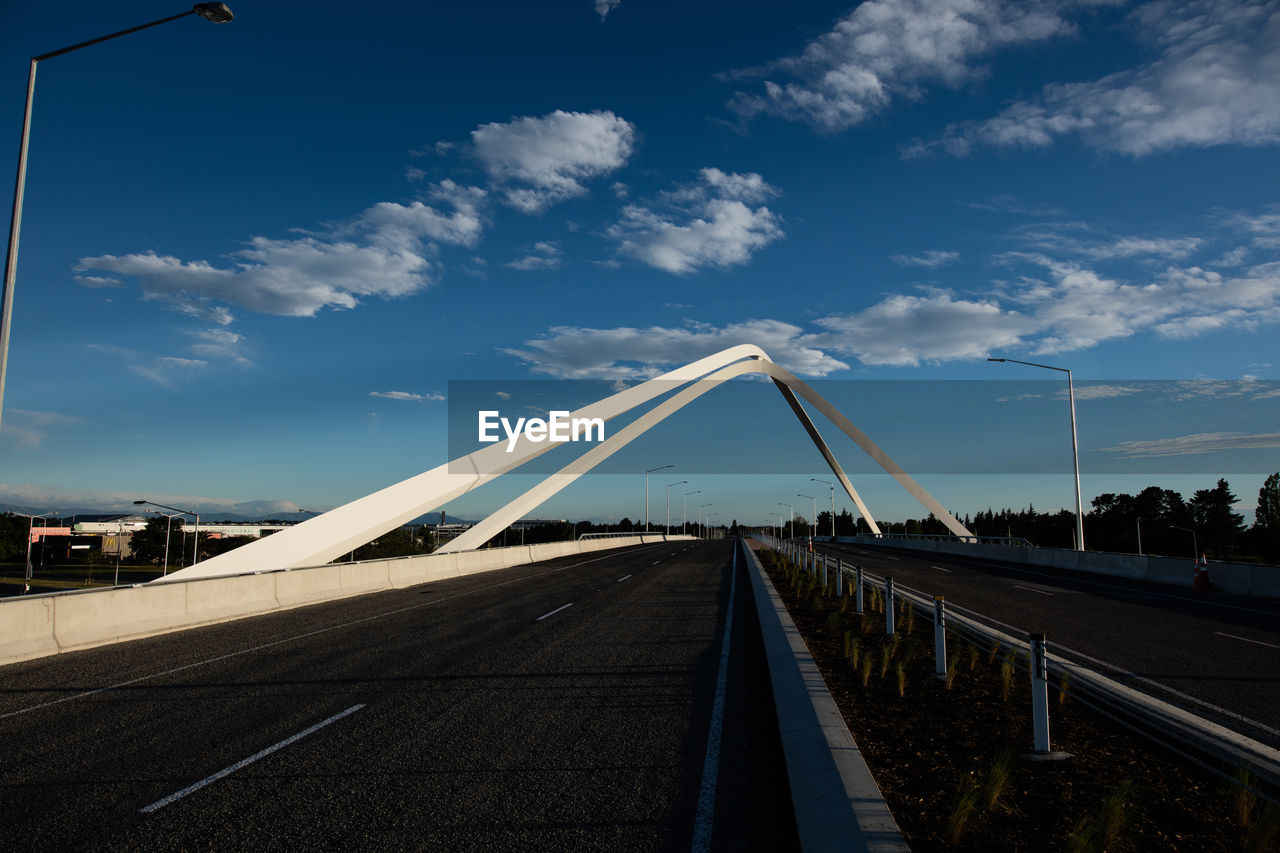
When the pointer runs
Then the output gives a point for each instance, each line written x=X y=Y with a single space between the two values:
x=939 y=637
x=858 y=591
x=824 y=572
x=888 y=607
x=839 y=578
x=1039 y=694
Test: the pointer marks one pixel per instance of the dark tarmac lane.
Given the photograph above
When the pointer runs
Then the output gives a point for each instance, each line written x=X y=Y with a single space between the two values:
x=560 y=705
x=1223 y=649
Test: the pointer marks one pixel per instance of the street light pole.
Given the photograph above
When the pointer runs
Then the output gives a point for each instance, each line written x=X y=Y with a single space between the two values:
x=195 y=550
x=31 y=526
x=700 y=508
x=646 y=493
x=1195 y=547
x=669 y=485
x=833 y=504
x=1075 y=444
x=813 y=527
x=793 y=518
x=218 y=13
x=685 y=524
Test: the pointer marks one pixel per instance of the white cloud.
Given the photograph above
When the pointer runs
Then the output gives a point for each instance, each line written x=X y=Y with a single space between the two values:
x=1216 y=82
x=541 y=161
x=604 y=7
x=1081 y=240
x=219 y=345
x=931 y=259
x=708 y=223
x=407 y=396
x=96 y=281
x=905 y=330
x=30 y=495
x=630 y=353
x=28 y=429
x=1103 y=392
x=543 y=256
x=894 y=49
x=1203 y=442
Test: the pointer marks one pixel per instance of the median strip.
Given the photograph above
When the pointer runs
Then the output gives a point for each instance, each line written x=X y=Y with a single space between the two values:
x=208 y=780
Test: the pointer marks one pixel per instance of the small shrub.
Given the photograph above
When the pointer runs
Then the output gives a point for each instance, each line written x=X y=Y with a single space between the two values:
x=848 y=640
x=1114 y=813
x=1265 y=835
x=1006 y=677
x=1083 y=839
x=886 y=654
x=997 y=778
x=995 y=652
x=962 y=809
x=833 y=624
x=866 y=669
x=1243 y=799
x=910 y=621
x=973 y=657
x=902 y=681
x=855 y=650
x=1064 y=684
x=953 y=665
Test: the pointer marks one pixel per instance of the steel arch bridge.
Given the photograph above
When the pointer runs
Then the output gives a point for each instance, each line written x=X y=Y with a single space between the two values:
x=328 y=536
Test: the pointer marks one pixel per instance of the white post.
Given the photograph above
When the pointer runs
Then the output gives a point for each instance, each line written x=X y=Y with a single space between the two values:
x=1039 y=694
x=939 y=636
x=839 y=577
x=858 y=592
x=888 y=607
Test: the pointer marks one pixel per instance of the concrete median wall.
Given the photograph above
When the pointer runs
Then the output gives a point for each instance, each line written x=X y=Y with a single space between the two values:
x=1238 y=578
x=39 y=625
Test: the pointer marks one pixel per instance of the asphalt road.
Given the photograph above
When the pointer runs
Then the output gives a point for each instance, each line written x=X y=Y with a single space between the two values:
x=1220 y=648
x=561 y=705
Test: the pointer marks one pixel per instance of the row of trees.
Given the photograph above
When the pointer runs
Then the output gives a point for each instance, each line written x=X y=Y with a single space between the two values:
x=1166 y=522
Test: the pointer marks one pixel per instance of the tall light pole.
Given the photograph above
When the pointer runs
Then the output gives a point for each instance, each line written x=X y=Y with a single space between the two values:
x=218 y=13
x=669 y=485
x=710 y=515
x=646 y=492
x=167 y=525
x=685 y=524
x=780 y=517
x=793 y=518
x=1195 y=547
x=700 y=509
x=1075 y=445
x=195 y=550
x=814 y=526
x=833 y=505
x=31 y=525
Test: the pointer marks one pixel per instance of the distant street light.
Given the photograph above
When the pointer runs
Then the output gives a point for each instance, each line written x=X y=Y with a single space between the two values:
x=669 y=485
x=833 y=505
x=218 y=13
x=793 y=518
x=684 y=525
x=195 y=550
x=1075 y=445
x=813 y=526
x=646 y=492
x=700 y=508
x=1195 y=547
x=168 y=524
x=780 y=517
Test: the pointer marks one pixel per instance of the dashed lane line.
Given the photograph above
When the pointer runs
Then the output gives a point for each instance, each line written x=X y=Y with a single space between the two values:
x=554 y=612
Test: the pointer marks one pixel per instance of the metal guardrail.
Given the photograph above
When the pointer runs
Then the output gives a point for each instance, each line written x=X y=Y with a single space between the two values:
x=1191 y=734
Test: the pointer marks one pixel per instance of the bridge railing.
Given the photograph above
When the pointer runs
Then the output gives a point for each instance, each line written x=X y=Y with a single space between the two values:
x=1199 y=731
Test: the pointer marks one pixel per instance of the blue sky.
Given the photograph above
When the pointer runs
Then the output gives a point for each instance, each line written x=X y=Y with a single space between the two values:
x=254 y=255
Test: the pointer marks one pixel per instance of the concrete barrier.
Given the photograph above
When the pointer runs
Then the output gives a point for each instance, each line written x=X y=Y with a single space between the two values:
x=1238 y=578
x=39 y=625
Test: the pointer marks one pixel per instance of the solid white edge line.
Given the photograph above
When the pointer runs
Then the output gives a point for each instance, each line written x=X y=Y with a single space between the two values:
x=553 y=612
x=621 y=579
x=1247 y=640
x=1031 y=589
x=941 y=569
x=703 y=822
x=208 y=780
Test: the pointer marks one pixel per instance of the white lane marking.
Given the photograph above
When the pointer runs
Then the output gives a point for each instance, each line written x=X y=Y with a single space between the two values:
x=208 y=780
x=553 y=612
x=303 y=636
x=1247 y=640
x=939 y=568
x=621 y=579
x=1030 y=589
x=655 y=562
x=703 y=822
x=887 y=557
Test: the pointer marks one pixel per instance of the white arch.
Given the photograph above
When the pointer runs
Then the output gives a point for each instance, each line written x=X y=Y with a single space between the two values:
x=327 y=537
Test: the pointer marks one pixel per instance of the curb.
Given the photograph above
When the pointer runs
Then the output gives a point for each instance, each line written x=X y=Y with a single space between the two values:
x=838 y=805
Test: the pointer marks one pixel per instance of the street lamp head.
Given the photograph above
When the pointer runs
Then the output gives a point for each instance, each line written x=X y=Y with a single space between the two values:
x=218 y=13
x=140 y=503
x=995 y=359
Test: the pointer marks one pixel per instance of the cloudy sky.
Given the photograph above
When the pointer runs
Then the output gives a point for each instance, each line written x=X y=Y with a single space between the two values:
x=254 y=255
